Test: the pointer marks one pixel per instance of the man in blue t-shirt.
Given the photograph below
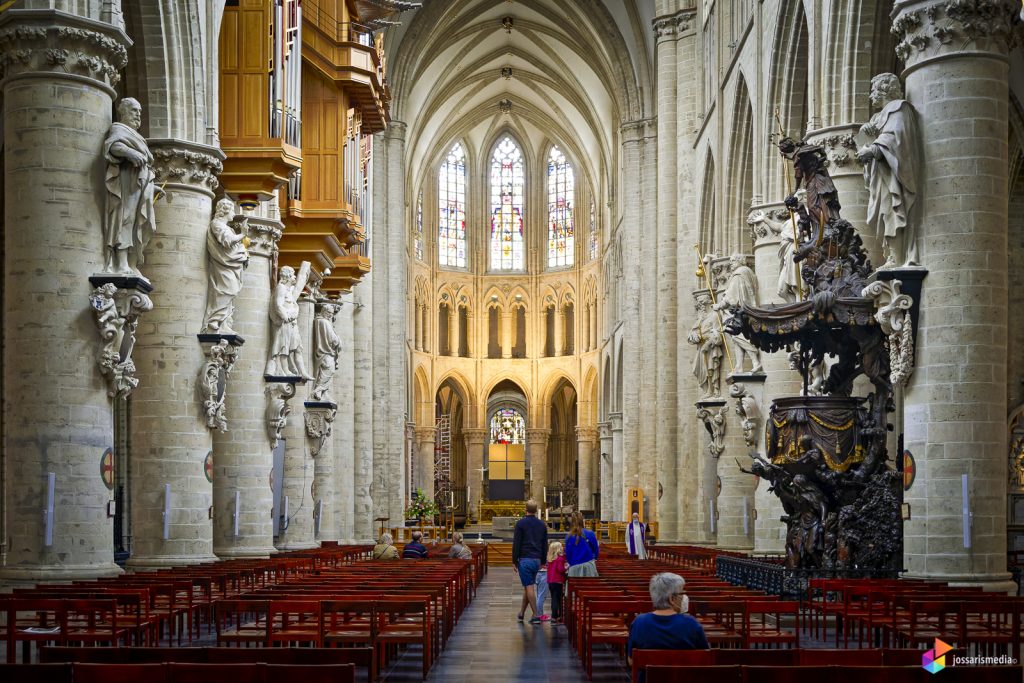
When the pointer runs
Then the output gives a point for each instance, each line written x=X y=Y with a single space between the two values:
x=529 y=552
x=415 y=550
x=666 y=628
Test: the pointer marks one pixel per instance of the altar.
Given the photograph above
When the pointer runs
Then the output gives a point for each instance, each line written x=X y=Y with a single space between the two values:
x=489 y=509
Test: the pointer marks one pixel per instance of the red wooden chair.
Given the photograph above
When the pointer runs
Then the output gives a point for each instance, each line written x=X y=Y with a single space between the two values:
x=319 y=673
x=214 y=673
x=608 y=621
x=91 y=655
x=119 y=673
x=765 y=623
x=242 y=622
x=823 y=657
x=157 y=655
x=93 y=621
x=757 y=657
x=901 y=657
x=788 y=674
x=294 y=621
x=350 y=622
x=644 y=658
x=931 y=619
x=405 y=622
x=691 y=674
x=722 y=620
x=35 y=673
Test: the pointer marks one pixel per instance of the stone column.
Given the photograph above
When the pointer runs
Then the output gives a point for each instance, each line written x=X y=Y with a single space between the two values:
x=617 y=474
x=169 y=431
x=955 y=408
x=605 y=455
x=417 y=328
x=425 y=327
x=475 y=444
x=424 y=466
x=780 y=380
x=296 y=531
x=559 y=331
x=585 y=456
x=342 y=506
x=506 y=334
x=537 y=443
x=363 y=415
x=243 y=456
x=57 y=414
x=736 y=502
x=594 y=341
x=453 y=330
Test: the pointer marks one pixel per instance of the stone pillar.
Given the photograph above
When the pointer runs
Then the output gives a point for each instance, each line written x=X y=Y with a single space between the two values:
x=537 y=443
x=363 y=415
x=559 y=331
x=714 y=416
x=425 y=327
x=424 y=465
x=506 y=334
x=453 y=330
x=780 y=380
x=475 y=444
x=296 y=532
x=417 y=328
x=470 y=334
x=616 y=507
x=605 y=455
x=594 y=341
x=57 y=414
x=585 y=457
x=736 y=502
x=242 y=456
x=340 y=524
x=957 y=79
x=169 y=431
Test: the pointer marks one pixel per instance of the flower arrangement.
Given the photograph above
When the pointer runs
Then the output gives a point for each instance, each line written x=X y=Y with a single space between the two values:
x=421 y=507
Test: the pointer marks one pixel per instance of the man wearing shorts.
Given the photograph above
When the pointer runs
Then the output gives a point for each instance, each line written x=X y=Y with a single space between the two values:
x=529 y=548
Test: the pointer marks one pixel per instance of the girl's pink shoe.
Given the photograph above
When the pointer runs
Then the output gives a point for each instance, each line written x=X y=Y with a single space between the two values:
x=545 y=617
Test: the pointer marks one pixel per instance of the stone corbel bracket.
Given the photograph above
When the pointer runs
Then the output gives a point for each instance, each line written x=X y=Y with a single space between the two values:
x=117 y=302
x=749 y=412
x=279 y=391
x=712 y=414
x=319 y=417
x=892 y=312
x=221 y=351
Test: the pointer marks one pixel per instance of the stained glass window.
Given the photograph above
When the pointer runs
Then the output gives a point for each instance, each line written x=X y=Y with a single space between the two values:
x=593 y=231
x=508 y=426
x=418 y=237
x=451 y=201
x=507 y=206
x=561 y=240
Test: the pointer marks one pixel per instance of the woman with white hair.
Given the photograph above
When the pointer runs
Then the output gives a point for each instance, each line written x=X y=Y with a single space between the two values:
x=667 y=627
x=459 y=551
x=385 y=548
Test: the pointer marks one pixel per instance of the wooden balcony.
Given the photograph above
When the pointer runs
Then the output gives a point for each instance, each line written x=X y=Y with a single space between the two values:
x=348 y=270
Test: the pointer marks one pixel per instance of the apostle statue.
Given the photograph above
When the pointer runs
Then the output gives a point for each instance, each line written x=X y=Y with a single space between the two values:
x=285 y=341
x=788 y=287
x=226 y=257
x=891 y=167
x=129 y=222
x=740 y=290
x=636 y=538
x=326 y=347
x=707 y=335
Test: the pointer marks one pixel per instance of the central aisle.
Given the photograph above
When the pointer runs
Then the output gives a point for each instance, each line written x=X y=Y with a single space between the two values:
x=490 y=645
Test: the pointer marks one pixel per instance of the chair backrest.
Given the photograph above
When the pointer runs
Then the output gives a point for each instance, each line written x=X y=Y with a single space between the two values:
x=153 y=655
x=689 y=674
x=830 y=657
x=319 y=673
x=118 y=673
x=93 y=655
x=757 y=657
x=787 y=674
x=214 y=673
x=36 y=673
x=644 y=658
x=901 y=657
x=250 y=655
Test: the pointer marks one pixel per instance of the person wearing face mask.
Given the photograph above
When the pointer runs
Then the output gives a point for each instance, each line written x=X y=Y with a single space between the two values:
x=668 y=627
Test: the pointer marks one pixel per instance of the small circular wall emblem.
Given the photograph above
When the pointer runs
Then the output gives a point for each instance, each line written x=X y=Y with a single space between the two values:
x=107 y=468
x=718 y=486
x=208 y=466
x=909 y=470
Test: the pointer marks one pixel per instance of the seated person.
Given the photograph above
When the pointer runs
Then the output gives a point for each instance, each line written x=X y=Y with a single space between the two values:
x=459 y=551
x=667 y=627
x=415 y=550
x=385 y=548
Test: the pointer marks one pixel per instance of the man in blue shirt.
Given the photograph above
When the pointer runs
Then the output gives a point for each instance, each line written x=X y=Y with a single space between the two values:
x=529 y=551
x=667 y=627
x=415 y=550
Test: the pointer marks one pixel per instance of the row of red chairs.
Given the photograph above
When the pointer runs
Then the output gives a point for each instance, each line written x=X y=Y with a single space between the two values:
x=175 y=673
x=832 y=674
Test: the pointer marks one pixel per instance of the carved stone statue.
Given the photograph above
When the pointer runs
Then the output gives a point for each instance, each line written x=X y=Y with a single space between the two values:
x=749 y=411
x=740 y=290
x=707 y=335
x=891 y=168
x=226 y=257
x=788 y=285
x=714 y=423
x=285 y=341
x=326 y=347
x=117 y=314
x=129 y=221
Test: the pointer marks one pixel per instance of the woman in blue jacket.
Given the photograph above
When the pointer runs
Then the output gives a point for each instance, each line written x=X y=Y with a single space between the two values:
x=581 y=548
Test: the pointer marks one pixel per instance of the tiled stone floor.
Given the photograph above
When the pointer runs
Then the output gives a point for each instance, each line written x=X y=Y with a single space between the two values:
x=489 y=645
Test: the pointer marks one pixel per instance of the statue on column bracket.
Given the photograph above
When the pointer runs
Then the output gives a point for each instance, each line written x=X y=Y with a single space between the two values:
x=893 y=316
x=117 y=315
x=326 y=347
x=129 y=221
x=779 y=223
x=213 y=386
x=749 y=412
x=226 y=256
x=319 y=423
x=278 y=394
x=741 y=290
x=891 y=162
x=706 y=334
x=714 y=423
x=285 y=341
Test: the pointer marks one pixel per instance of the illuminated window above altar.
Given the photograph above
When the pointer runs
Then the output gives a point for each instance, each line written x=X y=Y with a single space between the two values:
x=508 y=426
x=561 y=185
x=507 y=184
x=451 y=201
